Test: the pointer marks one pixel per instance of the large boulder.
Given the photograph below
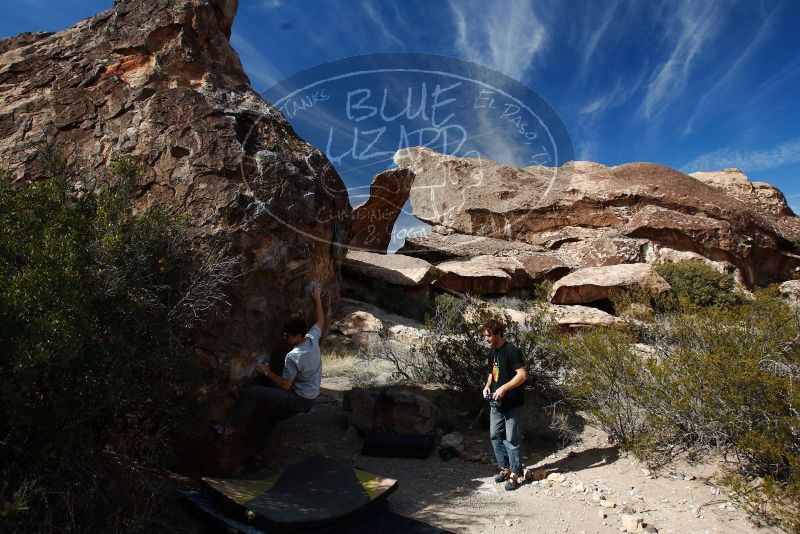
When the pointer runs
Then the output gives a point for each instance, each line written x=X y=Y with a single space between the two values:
x=482 y=275
x=160 y=82
x=393 y=409
x=736 y=183
x=358 y=330
x=360 y=325
x=790 y=289
x=601 y=251
x=641 y=201
x=394 y=269
x=600 y=283
x=576 y=316
x=373 y=220
x=439 y=245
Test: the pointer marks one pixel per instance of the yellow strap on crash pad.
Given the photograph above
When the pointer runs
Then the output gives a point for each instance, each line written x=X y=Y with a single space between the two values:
x=242 y=491
x=372 y=484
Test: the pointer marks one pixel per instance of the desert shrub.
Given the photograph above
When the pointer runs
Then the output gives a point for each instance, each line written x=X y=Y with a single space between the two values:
x=455 y=354
x=636 y=304
x=731 y=382
x=719 y=378
x=95 y=304
x=511 y=303
x=540 y=292
x=403 y=362
x=605 y=380
x=696 y=285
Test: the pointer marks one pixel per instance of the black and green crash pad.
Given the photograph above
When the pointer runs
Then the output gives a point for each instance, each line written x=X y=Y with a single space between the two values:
x=316 y=494
x=374 y=519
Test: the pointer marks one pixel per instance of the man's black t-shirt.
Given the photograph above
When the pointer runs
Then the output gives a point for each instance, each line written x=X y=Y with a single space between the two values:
x=508 y=359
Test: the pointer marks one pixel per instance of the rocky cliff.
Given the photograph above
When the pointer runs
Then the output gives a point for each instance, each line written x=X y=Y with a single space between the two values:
x=542 y=222
x=159 y=81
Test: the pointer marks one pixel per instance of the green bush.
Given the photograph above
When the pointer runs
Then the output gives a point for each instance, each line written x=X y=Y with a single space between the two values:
x=94 y=306
x=696 y=285
x=455 y=354
x=719 y=378
x=605 y=380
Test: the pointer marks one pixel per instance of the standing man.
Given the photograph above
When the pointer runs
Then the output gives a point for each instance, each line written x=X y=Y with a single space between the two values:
x=504 y=389
x=294 y=390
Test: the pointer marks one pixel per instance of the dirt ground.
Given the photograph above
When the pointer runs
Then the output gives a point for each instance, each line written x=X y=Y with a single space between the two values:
x=461 y=496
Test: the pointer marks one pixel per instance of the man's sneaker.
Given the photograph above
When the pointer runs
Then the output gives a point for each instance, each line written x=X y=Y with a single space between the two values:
x=512 y=483
x=218 y=427
x=223 y=429
x=502 y=476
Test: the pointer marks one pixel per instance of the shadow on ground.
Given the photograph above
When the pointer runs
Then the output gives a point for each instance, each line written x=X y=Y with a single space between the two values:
x=428 y=488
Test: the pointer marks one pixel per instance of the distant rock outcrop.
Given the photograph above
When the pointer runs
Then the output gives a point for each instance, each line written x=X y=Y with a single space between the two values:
x=483 y=275
x=391 y=268
x=599 y=283
x=593 y=215
x=160 y=82
x=759 y=194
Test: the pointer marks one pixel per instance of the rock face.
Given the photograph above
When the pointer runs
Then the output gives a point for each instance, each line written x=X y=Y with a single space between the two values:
x=358 y=325
x=598 y=283
x=580 y=316
x=439 y=245
x=759 y=194
x=159 y=81
x=595 y=215
x=482 y=275
x=790 y=289
x=374 y=220
x=394 y=269
x=393 y=409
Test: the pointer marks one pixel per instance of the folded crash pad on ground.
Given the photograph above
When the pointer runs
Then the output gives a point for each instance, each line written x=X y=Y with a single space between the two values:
x=376 y=519
x=316 y=492
x=398 y=446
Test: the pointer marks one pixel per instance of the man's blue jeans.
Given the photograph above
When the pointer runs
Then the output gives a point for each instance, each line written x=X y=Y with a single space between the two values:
x=506 y=436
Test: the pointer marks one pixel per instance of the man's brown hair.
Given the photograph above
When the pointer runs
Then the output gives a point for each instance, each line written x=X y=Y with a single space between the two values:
x=495 y=327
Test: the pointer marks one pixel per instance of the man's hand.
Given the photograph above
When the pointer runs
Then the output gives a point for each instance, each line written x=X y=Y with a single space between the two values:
x=499 y=393
x=263 y=368
x=316 y=294
x=486 y=392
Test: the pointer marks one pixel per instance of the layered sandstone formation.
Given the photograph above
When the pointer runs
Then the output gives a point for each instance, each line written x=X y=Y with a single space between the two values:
x=599 y=283
x=581 y=215
x=160 y=82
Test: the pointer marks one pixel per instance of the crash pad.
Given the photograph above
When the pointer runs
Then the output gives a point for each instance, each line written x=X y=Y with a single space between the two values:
x=316 y=492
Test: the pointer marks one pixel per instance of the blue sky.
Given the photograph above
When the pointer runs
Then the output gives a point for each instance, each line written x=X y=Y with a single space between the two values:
x=694 y=85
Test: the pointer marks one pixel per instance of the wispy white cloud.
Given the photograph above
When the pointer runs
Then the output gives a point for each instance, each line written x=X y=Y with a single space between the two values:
x=263 y=72
x=778 y=80
x=587 y=129
x=594 y=29
x=507 y=39
x=749 y=160
x=375 y=16
x=586 y=150
x=733 y=71
x=696 y=23
x=614 y=97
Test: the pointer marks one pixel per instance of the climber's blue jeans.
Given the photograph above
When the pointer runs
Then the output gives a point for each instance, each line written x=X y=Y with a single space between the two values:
x=506 y=436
